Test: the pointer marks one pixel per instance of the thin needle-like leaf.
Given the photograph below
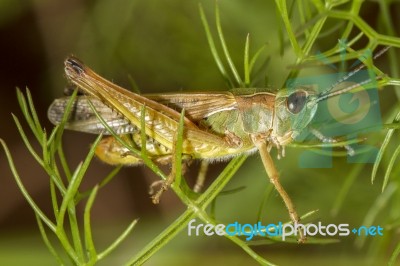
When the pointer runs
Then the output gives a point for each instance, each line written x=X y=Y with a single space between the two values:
x=24 y=192
x=225 y=48
x=35 y=119
x=383 y=148
x=47 y=242
x=375 y=209
x=75 y=182
x=178 y=149
x=389 y=168
x=255 y=57
x=118 y=240
x=394 y=256
x=213 y=48
x=91 y=250
x=28 y=116
x=246 y=61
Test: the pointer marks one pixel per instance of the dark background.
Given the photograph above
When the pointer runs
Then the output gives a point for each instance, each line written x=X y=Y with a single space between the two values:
x=162 y=45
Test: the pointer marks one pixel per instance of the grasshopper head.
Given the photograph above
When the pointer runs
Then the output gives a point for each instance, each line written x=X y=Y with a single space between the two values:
x=294 y=109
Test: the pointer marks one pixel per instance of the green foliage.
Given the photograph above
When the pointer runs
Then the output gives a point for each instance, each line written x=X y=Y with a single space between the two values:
x=67 y=188
x=316 y=20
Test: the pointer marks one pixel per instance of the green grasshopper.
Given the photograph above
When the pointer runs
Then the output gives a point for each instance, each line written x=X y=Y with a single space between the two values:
x=217 y=125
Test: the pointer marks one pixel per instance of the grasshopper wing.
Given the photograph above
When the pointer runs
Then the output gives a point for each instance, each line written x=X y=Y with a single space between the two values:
x=197 y=105
x=83 y=118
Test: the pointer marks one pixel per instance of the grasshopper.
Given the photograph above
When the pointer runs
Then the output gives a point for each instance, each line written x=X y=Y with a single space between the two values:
x=217 y=125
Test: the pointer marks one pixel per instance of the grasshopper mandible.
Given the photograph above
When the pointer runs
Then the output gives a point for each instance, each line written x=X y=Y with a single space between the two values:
x=217 y=125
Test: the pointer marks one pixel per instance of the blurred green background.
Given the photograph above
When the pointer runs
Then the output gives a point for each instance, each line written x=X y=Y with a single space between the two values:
x=162 y=45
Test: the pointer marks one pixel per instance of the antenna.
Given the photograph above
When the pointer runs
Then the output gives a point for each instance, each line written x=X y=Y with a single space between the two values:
x=324 y=95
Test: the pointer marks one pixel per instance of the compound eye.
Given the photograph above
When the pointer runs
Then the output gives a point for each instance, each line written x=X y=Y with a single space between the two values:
x=296 y=101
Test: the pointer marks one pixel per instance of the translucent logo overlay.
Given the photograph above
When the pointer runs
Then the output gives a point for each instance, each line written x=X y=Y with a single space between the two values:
x=343 y=117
